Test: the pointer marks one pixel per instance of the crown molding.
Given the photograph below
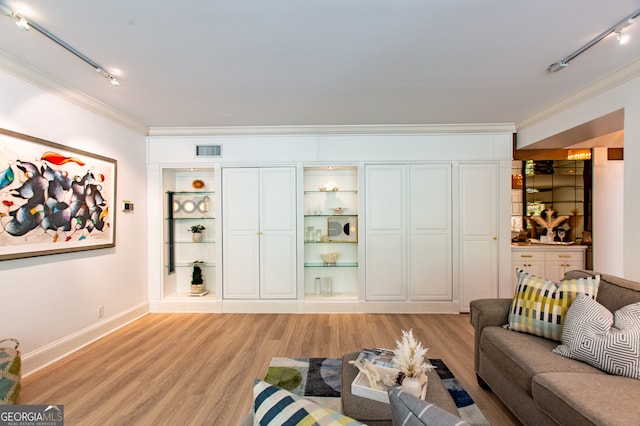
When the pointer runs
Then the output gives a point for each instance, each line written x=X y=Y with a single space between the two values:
x=608 y=82
x=333 y=130
x=48 y=83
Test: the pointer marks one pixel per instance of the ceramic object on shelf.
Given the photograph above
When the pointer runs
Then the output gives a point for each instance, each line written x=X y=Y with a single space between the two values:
x=329 y=259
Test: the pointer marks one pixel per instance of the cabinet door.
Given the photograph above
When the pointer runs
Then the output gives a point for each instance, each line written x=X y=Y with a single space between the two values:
x=560 y=262
x=278 y=233
x=531 y=262
x=385 y=225
x=259 y=233
x=240 y=224
x=478 y=218
x=430 y=276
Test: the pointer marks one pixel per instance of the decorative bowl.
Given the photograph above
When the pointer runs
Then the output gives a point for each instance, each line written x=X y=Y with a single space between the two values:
x=329 y=259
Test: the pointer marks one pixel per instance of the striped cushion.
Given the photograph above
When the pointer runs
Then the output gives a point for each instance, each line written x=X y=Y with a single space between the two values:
x=274 y=406
x=408 y=410
x=539 y=306
x=610 y=342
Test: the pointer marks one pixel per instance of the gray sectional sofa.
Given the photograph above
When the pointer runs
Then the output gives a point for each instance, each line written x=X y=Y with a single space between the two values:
x=543 y=388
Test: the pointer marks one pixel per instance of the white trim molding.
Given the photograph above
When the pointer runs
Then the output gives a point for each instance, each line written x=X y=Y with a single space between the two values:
x=42 y=357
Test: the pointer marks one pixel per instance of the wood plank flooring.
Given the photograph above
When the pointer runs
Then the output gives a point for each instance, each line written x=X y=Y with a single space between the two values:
x=198 y=369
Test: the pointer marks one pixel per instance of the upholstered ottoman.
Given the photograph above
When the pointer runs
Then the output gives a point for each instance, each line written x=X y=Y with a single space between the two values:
x=376 y=413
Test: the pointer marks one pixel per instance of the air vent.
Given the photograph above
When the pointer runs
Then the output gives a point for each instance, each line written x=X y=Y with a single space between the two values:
x=208 y=150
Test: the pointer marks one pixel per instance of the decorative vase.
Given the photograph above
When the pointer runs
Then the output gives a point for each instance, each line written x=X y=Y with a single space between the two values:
x=411 y=385
x=197 y=288
x=197 y=237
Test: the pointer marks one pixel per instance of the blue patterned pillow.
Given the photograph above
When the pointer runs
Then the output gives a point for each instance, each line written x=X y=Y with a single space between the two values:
x=540 y=306
x=274 y=406
x=610 y=342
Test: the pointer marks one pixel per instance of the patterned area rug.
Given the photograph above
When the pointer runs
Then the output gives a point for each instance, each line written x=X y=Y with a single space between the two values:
x=319 y=379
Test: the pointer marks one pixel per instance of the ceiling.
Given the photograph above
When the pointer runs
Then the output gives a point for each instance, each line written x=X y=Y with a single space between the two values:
x=321 y=62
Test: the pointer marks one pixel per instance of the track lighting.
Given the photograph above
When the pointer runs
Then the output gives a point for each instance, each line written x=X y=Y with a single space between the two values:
x=27 y=24
x=616 y=29
x=22 y=22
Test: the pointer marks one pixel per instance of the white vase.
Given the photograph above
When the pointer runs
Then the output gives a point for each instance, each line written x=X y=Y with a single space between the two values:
x=197 y=237
x=411 y=385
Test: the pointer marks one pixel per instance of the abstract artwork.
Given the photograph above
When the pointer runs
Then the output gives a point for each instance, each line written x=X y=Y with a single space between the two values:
x=53 y=198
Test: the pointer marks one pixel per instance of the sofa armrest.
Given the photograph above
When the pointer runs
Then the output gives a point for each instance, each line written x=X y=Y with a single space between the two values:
x=485 y=313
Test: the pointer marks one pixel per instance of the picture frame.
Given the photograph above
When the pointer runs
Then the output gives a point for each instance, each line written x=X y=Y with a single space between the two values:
x=54 y=198
x=342 y=229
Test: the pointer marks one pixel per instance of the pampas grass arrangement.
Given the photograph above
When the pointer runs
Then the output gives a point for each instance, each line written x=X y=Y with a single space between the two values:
x=408 y=356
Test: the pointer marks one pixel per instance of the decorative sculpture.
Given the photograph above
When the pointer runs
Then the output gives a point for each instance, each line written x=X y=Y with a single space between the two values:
x=369 y=371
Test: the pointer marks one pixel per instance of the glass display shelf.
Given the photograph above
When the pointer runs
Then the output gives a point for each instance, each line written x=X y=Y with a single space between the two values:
x=191 y=265
x=329 y=215
x=186 y=219
x=194 y=192
x=343 y=191
x=336 y=265
x=192 y=242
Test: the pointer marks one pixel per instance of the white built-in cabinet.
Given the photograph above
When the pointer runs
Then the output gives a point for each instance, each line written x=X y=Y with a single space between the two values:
x=478 y=216
x=409 y=232
x=331 y=228
x=259 y=212
x=427 y=216
x=189 y=199
x=547 y=261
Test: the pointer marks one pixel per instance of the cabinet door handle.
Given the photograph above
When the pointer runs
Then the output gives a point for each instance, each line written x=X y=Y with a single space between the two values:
x=564 y=256
x=526 y=255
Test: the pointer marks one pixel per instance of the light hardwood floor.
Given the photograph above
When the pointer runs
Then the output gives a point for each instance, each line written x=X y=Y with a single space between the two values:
x=198 y=369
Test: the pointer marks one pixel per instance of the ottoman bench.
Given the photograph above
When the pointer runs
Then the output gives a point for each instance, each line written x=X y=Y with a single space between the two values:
x=375 y=413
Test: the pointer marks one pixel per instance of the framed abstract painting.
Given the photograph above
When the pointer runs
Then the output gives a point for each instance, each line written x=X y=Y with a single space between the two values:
x=53 y=198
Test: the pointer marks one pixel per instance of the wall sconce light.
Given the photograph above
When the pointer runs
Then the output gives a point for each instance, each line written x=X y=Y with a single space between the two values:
x=615 y=29
x=26 y=24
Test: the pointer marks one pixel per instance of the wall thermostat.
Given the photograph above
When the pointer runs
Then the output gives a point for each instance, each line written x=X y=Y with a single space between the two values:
x=127 y=206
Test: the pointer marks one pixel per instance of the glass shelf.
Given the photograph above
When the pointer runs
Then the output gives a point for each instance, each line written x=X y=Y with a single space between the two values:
x=190 y=265
x=343 y=191
x=337 y=265
x=192 y=242
x=194 y=192
x=330 y=215
x=331 y=242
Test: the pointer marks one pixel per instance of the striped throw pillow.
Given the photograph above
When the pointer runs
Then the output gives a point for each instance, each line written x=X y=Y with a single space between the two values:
x=605 y=340
x=274 y=406
x=540 y=306
x=408 y=410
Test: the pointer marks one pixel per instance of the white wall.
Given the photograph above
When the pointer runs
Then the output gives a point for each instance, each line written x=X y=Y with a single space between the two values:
x=608 y=203
x=49 y=303
x=627 y=96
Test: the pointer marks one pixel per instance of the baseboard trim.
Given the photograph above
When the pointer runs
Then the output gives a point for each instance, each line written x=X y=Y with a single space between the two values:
x=40 y=358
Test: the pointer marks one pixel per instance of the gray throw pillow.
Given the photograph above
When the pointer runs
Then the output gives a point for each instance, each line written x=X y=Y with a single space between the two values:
x=605 y=340
x=411 y=411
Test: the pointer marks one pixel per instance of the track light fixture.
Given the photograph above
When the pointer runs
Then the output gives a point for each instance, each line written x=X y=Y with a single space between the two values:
x=26 y=24
x=615 y=29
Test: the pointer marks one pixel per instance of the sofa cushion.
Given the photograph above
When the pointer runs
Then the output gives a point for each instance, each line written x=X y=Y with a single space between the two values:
x=539 y=306
x=521 y=356
x=582 y=398
x=275 y=406
x=411 y=411
x=610 y=342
